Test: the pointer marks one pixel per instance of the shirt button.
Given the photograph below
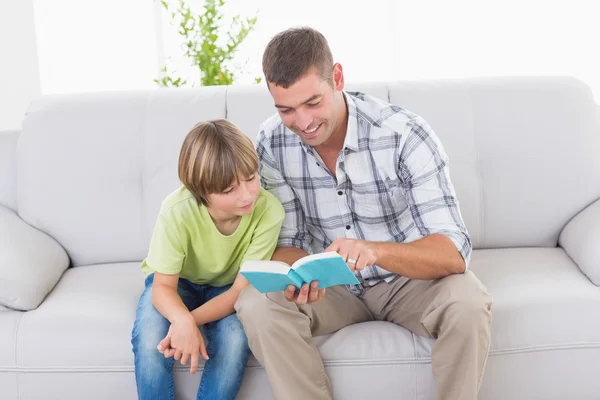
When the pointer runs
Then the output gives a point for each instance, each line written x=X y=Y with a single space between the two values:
x=340 y=192
x=348 y=227
x=318 y=165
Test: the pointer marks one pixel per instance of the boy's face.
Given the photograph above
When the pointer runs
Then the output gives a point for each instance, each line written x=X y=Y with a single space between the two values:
x=238 y=199
x=311 y=107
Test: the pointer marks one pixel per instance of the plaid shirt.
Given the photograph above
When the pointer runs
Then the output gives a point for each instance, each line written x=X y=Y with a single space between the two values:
x=392 y=183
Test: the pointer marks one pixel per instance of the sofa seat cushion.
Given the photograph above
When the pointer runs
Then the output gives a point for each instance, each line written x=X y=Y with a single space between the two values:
x=92 y=310
x=541 y=300
x=9 y=323
x=542 y=303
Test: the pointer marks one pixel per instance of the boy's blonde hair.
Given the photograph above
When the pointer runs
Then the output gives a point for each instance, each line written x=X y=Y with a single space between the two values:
x=215 y=154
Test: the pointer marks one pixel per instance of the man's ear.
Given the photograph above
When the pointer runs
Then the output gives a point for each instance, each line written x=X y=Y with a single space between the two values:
x=338 y=77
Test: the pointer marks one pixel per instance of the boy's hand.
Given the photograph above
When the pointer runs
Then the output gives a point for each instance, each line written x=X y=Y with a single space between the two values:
x=184 y=342
x=305 y=295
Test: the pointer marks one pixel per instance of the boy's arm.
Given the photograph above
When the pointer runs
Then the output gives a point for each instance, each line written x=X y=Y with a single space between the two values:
x=262 y=246
x=221 y=306
x=166 y=299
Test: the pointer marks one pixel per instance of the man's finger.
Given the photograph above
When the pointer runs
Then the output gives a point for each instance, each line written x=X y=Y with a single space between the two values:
x=194 y=363
x=313 y=295
x=321 y=293
x=335 y=246
x=290 y=292
x=361 y=263
x=303 y=296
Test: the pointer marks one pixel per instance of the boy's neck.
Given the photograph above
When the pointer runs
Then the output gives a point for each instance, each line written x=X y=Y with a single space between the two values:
x=226 y=224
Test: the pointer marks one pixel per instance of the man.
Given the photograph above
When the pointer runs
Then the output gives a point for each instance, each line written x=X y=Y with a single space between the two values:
x=370 y=181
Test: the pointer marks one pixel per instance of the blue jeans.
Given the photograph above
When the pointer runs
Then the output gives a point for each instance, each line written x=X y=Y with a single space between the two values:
x=227 y=348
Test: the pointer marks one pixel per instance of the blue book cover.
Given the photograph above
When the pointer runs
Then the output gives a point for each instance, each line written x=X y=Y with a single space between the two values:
x=329 y=269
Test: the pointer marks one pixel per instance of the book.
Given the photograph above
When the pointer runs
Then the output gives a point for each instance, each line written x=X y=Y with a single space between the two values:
x=328 y=268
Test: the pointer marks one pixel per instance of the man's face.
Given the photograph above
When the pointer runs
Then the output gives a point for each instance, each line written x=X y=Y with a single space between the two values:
x=311 y=107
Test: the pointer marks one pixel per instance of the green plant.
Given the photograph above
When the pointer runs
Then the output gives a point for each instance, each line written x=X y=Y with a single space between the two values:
x=202 y=35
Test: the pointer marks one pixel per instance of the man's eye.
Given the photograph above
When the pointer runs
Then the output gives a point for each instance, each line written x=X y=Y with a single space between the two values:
x=286 y=111
x=314 y=104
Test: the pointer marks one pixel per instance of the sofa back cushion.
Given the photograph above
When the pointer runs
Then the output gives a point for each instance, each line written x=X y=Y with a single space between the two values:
x=93 y=169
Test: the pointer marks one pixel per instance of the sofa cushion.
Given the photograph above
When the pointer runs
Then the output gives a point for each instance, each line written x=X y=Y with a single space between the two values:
x=9 y=322
x=31 y=263
x=542 y=304
x=519 y=151
x=8 y=169
x=103 y=163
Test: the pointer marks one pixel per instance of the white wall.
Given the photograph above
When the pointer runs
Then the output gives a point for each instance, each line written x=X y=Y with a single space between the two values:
x=19 y=72
x=96 y=45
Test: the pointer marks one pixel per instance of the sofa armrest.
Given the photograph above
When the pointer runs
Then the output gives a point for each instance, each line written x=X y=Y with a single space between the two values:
x=31 y=263
x=581 y=240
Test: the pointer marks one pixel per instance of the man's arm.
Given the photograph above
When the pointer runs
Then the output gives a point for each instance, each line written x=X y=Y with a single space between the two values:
x=445 y=246
x=432 y=257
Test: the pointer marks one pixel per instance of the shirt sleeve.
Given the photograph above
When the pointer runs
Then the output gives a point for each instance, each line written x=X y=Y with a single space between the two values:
x=264 y=239
x=293 y=233
x=424 y=172
x=165 y=255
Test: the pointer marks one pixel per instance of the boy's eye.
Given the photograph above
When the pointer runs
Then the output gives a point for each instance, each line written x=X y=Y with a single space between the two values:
x=251 y=177
x=228 y=190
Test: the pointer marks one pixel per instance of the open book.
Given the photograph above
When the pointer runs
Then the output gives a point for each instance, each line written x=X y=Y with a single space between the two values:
x=328 y=268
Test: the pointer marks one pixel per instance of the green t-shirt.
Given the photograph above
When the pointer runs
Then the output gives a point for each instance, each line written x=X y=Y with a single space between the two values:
x=187 y=242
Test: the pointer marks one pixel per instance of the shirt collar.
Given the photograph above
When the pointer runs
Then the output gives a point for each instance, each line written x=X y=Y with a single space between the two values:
x=351 y=140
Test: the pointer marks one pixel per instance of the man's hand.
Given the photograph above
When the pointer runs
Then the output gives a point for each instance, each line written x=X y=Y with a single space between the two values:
x=184 y=342
x=357 y=253
x=304 y=296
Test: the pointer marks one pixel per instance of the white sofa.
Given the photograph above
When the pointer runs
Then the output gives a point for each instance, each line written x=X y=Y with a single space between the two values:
x=89 y=172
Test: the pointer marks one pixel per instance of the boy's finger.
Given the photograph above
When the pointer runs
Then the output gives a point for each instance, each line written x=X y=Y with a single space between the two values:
x=164 y=344
x=178 y=354
x=203 y=352
x=184 y=358
x=194 y=363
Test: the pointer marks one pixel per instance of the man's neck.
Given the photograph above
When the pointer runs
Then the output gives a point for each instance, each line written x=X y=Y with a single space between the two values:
x=333 y=146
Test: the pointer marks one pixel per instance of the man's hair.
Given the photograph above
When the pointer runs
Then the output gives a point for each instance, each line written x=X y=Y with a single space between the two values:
x=215 y=154
x=292 y=53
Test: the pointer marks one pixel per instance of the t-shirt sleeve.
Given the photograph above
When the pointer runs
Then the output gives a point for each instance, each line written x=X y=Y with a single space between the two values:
x=264 y=239
x=166 y=254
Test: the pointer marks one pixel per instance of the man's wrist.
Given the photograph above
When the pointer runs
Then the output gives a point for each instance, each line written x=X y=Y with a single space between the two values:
x=380 y=250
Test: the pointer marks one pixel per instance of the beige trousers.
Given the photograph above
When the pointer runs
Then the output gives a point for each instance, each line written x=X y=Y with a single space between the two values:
x=455 y=310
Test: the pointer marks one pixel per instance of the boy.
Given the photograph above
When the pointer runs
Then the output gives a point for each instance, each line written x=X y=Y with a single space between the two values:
x=204 y=231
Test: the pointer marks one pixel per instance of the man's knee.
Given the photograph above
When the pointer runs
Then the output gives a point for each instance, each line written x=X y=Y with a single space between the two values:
x=256 y=309
x=468 y=300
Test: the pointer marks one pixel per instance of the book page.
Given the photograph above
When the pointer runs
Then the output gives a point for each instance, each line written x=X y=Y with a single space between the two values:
x=312 y=257
x=275 y=267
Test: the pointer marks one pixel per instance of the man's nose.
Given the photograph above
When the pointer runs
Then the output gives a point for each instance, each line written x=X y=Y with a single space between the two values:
x=303 y=121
